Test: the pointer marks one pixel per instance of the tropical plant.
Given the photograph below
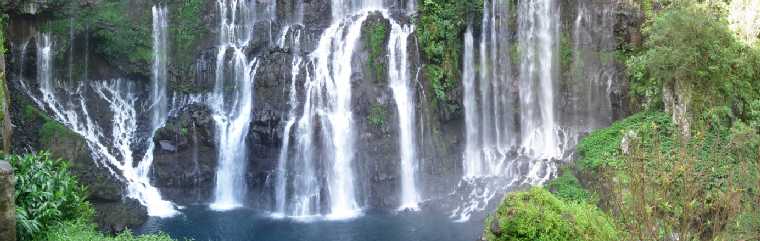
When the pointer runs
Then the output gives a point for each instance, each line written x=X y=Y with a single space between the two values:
x=46 y=194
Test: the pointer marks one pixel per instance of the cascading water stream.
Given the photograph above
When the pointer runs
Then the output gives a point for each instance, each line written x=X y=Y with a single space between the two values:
x=159 y=107
x=232 y=101
x=473 y=165
x=400 y=83
x=593 y=71
x=330 y=93
x=299 y=202
x=303 y=192
x=507 y=146
x=489 y=115
x=324 y=130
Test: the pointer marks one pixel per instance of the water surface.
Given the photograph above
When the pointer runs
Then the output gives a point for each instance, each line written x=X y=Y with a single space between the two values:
x=203 y=224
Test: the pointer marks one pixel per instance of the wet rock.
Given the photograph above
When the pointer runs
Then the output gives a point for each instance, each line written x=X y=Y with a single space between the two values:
x=115 y=217
x=184 y=167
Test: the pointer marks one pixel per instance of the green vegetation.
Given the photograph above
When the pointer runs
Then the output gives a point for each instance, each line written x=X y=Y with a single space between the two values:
x=536 y=215
x=121 y=31
x=655 y=180
x=377 y=115
x=602 y=147
x=187 y=30
x=691 y=48
x=659 y=183
x=568 y=188
x=440 y=32
x=83 y=231
x=375 y=37
x=51 y=205
x=46 y=195
x=120 y=35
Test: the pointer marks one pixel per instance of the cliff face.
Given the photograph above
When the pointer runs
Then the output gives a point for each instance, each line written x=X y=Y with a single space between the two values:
x=97 y=40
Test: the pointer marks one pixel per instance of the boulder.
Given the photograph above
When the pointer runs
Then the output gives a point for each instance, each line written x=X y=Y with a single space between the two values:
x=116 y=217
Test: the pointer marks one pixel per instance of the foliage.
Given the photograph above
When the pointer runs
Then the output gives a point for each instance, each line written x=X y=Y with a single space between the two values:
x=602 y=147
x=83 y=231
x=440 y=33
x=537 y=215
x=696 y=188
x=120 y=35
x=657 y=183
x=375 y=36
x=46 y=194
x=377 y=115
x=568 y=188
x=690 y=47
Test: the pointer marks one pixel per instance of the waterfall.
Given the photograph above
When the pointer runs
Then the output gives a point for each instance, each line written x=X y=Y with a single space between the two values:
x=538 y=26
x=232 y=101
x=517 y=128
x=473 y=165
x=323 y=129
x=400 y=83
x=344 y=8
x=160 y=49
x=489 y=112
x=70 y=107
x=593 y=70
x=508 y=146
x=329 y=97
x=304 y=191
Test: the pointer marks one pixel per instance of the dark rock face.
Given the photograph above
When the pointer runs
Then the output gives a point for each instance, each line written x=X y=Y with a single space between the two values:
x=185 y=156
x=7 y=208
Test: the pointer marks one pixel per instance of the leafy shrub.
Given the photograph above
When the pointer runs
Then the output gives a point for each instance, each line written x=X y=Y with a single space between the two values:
x=537 y=215
x=440 y=32
x=689 y=47
x=83 y=231
x=46 y=194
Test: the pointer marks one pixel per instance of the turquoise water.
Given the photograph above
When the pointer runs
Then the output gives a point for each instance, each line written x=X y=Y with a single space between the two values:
x=202 y=224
